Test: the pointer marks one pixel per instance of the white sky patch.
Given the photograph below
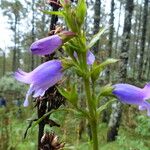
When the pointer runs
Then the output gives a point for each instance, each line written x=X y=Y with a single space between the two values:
x=5 y=33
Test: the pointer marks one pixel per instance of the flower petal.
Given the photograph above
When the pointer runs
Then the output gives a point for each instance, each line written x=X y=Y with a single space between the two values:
x=146 y=91
x=146 y=105
x=29 y=92
x=22 y=76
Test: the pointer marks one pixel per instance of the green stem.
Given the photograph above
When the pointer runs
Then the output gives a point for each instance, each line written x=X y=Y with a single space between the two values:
x=92 y=112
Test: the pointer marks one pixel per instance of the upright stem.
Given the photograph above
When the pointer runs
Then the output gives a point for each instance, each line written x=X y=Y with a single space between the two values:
x=92 y=111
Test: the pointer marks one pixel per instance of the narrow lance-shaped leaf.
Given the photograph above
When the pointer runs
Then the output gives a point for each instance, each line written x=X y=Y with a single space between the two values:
x=96 y=37
x=103 y=107
x=98 y=68
x=58 y=13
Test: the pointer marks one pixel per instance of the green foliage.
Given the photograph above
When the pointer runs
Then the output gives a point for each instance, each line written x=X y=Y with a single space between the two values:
x=131 y=144
x=12 y=127
x=97 y=69
x=81 y=11
x=143 y=125
x=95 y=38
x=104 y=106
x=70 y=94
x=9 y=84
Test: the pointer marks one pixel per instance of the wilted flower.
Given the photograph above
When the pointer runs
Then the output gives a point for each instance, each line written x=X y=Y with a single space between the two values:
x=50 y=141
x=41 y=78
x=130 y=94
x=49 y=44
x=90 y=58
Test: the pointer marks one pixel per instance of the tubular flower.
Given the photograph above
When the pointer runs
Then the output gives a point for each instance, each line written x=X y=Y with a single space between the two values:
x=41 y=78
x=49 y=44
x=46 y=45
x=130 y=94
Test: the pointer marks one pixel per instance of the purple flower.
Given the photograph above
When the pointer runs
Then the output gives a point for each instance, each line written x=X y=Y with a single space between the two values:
x=90 y=58
x=41 y=78
x=46 y=45
x=49 y=44
x=130 y=94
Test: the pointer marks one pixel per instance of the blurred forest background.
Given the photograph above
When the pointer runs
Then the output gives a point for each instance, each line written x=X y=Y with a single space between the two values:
x=127 y=39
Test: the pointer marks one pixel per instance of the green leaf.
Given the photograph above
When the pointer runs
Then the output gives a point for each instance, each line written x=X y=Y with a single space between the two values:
x=58 y=13
x=96 y=38
x=103 y=107
x=81 y=11
x=78 y=112
x=98 y=68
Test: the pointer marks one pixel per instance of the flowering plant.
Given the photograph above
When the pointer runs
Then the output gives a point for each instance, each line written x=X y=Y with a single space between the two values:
x=82 y=60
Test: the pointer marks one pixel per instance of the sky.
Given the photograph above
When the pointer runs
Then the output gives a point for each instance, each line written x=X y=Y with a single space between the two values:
x=5 y=33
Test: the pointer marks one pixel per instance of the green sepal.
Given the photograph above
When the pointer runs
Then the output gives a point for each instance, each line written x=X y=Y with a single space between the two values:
x=106 y=91
x=96 y=37
x=70 y=94
x=58 y=13
x=96 y=70
x=103 y=107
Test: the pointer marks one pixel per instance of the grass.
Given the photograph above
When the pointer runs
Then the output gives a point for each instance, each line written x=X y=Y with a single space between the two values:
x=13 y=126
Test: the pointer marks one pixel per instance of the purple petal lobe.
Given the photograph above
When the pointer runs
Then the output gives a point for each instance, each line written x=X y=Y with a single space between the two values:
x=146 y=90
x=46 y=45
x=146 y=106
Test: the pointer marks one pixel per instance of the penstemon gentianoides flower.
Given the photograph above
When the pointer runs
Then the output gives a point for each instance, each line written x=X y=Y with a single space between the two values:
x=49 y=44
x=130 y=94
x=41 y=78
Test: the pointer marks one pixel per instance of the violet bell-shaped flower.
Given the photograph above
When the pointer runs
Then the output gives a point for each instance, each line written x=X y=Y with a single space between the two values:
x=130 y=94
x=41 y=78
x=49 y=44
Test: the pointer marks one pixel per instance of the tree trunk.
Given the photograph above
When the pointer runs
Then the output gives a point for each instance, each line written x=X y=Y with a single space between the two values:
x=15 y=47
x=137 y=42
x=142 y=45
x=111 y=35
x=117 y=111
x=105 y=116
x=116 y=45
x=97 y=11
x=33 y=32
